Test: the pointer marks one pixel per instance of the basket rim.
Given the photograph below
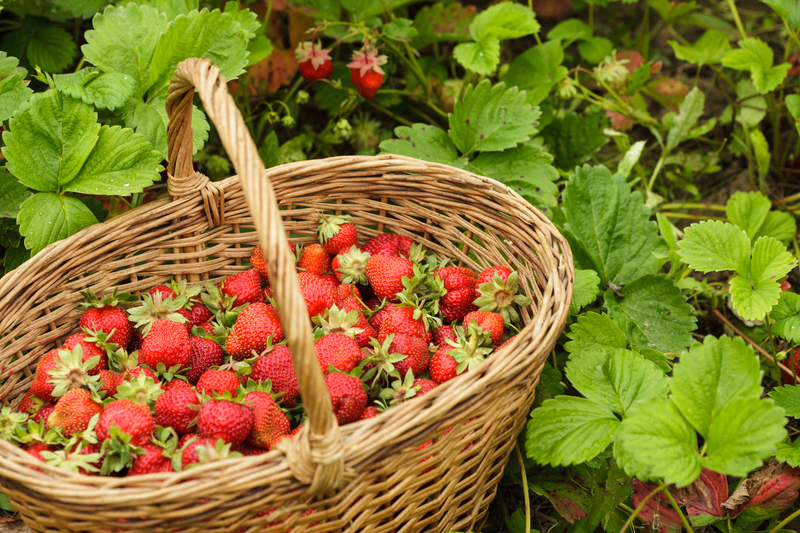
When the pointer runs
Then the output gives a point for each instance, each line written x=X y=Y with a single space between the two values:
x=470 y=382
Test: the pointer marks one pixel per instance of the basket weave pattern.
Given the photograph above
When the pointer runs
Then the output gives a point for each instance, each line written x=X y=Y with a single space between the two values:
x=367 y=476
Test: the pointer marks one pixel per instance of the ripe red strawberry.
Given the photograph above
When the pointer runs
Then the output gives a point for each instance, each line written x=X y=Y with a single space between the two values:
x=315 y=259
x=73 y=412
x=508 y=341
x=314 y=62
x=90 y=349
x=376 y=320
x=36 y=450
x=164 y=290
x=152 y=462
x=174 y=409
x=459 y=292
x=208 y=327
x=331 y=280
x=167 y=343
x=386 y=272
x=366 y=73
x=442 y=366
x=269 y=421
x=61 y=370
x=249 y=450
x=350 y=265
x=350 y=322
x=253 y=329
x=347 y=395
x=401 y=320
x=338 y=350
x=134 y=373
x=217 y=382
x=336 y=234
x=201 y=450
x=370 y=412
x=317 y=293
x=223 y=419
x=455 y=357
x=415 y=350
x=108 y=316
x=41 y=387
x=30 y=404
x=109 y=381
x=347 y=292
x=496 y=291
x=388 y=244
x=258 y=261
x=245 y=287
x=277 y=367
x=131 y=418
x=424 y=386
x=442 y=333
x=491 y=322
x=786 y=377
x=44 y=413
x=177 y=383
x=197 y=314
x=204 y=354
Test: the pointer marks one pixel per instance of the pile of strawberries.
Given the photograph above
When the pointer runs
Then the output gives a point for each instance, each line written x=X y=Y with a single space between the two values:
x=193 y=374
x=315 y=63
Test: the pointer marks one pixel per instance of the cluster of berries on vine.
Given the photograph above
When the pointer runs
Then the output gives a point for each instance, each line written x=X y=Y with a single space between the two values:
x=315 y=63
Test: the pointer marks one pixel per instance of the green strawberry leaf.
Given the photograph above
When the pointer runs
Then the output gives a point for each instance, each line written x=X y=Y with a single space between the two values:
x=595 y=332
x=779 y=225
x=505 y=20
x=608 y=226
x=45 y=218
x=5 y=503
x=575 y=137
x=788 y=9
x=481 y=57
x=585 y=290
x=755 y=56
x=653 y=313
x=103 y=90
x=492 y=118
x=788 y=453
x=683 y=124
x=787 y=397
x=537 y=71
x=13 y=86
x=12 y=194
x=743 y=435
x=569 y=31
x=616 y=379
x=655 y=442
x=150 y=119
x=709 y=49
x=400 y=29
x=79 y=8
x=568 y=430
x=748 y=211
x=423 y=141
x=786 y=315
x=755 y=294
x=712 y=375
x=714 y=246
x=595 y=49
x=442 y=22
x=51 y=49
x=526 y=169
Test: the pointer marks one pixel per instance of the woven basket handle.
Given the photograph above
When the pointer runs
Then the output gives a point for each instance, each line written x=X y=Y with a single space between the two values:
x=315 y=456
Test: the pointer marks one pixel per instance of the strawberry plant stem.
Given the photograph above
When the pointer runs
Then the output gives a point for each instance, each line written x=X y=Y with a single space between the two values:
x=736 y=19
x=680 y=513
x=524 y=490
x=693 y=217
x=689 y=205
x=785 y=521
x=641 y=505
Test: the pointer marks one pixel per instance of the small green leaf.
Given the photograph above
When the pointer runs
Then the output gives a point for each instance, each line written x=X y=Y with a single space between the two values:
x=788 y=9
x=655 y=442
x=51 y=49
x=568 y=430
x=616 y=379
x=574 y=138
x=5 y=503
x=755 y=56
x=787 y=397
x=324 y=9
x=748 y=210
x=630 y=158
x=595 y=49
x=751 y=111
x=689 y=113
x=761 y=151
x=400 y=29
x=714 y=246
x=743 y=435
x=788 y=453
x=79 y=8
x=709 y=49
x=442 y=22
x=105 y=91
x=786 y=315
x=422 y=141
x=712 y=375
x=755 y=294
x=45 y=218
x=526 y=169
x=654 y=314
x=779 y=225
x=12 y=194
x=259 y=48
x=569 y=31
x=505 y=20
x=13 y=86
x=492 y=118
x=595 y=332
x=537 y=71
x=585 y=289
x=481 y=57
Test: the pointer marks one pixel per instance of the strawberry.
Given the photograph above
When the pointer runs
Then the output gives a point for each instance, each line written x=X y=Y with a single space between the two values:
x=442 y=366
x=195 y=315
x=133 y=419
x=154 y=308
x=164 y=290
x=167 y=343
x=245 y=287
x=208 y=327
x=203 y=450
x=415 y=352
x=269 y=420
x=366 y=73
x=457 y=286
x=380 y=314
x=423 y=386
x=348 y=397
x=491 y=322
x=174 y=409
x=336 y=234
x=223 y=419
x=346 y=292
x=456 y=357
x=317 y=293
x=73 y=412
x=106 y=315
x=315 y=259
x=217 y=382
x=36 y=450
x=442 y=333
x=69 y=371
x=496 y=291
x=786 y=377
x=204 y=354
x=314 y=63
x=338 y=350
x=30 y=404
x=351 y=323
x=44 y=413
x=407 y=320
x=41 y=386
x=331 y=280
x=288 y=436
x=386 y=272
x=151 y=462
x=258 y=261
x=90 y=349
x=135 y=342
x=109 y=381
x=370 y=412
x=277 y=367
x=257 y=324
x=388 y=244
x=350 y=265
x=248 y=450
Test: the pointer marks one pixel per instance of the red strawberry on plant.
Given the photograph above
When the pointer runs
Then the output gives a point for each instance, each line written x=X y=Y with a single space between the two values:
x=269 y=421
x=133 y=419
x=107 y=315
x=497 y=291
x=366 y=73
x=317 y=293
x=73 y=412
x=338 y=350
x=167 y=343
x=491 y=322
x=254 y=328
x=388 y=244
x=385 y=274
x=217 y=382
x=245 y=287
x=177 y=409
x=315 y=259
x=336 y=233
x=276 y=366
x=224 y=419
x=348 y=397
x=314 y=61
x=457 y=289
x=204 y=354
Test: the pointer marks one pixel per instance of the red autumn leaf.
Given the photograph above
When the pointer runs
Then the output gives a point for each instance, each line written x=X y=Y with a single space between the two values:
x=774 y=496
x=706 y=495
x=658 y=506
x=619 y=121
x=634 y=58
x=570 y=500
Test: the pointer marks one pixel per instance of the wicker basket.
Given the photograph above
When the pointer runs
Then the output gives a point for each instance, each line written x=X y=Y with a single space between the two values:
x=364 y=477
